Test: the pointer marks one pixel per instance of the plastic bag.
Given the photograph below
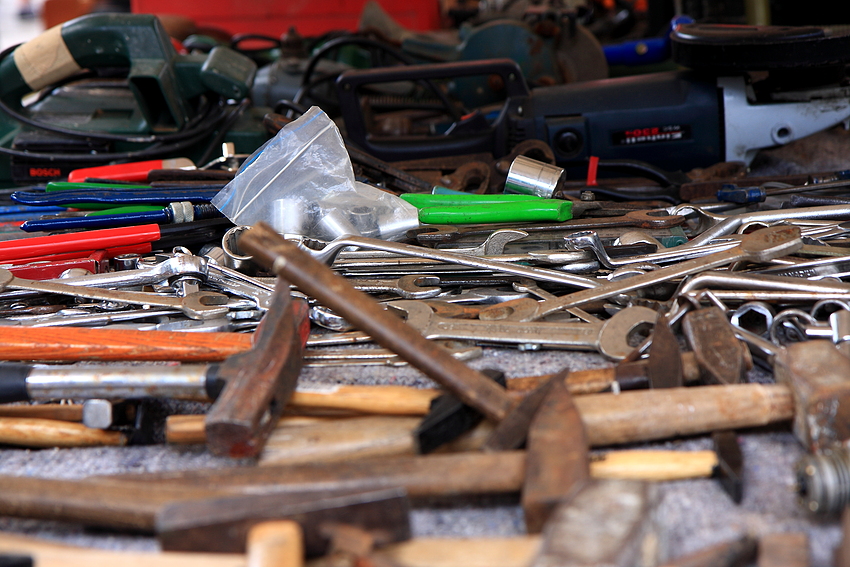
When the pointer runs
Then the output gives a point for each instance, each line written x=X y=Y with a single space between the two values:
x=301 y=182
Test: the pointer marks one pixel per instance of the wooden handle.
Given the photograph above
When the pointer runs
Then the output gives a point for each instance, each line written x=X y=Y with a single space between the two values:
x=34 y=432
x=590 y=381
x=644 y=415
x=654 y=465
x=189 y=429
x=63 y=412
x=50 y=554
x=443 y=552
x=386 y=400
x=71 y=344
x=640 y=415
x=276 y=544
x=353 y=438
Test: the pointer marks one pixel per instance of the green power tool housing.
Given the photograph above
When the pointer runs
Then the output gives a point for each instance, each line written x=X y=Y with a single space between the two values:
x=111 y=88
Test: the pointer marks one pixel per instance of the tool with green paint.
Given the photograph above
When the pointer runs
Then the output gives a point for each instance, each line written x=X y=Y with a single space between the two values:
x=474 y=209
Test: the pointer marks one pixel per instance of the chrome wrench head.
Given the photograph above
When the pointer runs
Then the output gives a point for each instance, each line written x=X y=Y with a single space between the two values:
x=198 y=305
x=621 y=333
x=589 y=240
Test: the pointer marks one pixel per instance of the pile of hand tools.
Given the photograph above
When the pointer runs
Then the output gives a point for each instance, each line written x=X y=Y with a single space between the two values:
x=602 y=359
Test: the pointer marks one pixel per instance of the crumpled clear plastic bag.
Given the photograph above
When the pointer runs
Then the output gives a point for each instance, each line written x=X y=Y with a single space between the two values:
x=301 y=182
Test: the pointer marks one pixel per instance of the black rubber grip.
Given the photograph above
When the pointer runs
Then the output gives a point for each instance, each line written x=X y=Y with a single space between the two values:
x=214 y=385
x=13 y=382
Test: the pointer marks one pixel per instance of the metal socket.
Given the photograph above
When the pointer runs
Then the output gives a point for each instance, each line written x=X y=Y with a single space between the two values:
x=532 y=177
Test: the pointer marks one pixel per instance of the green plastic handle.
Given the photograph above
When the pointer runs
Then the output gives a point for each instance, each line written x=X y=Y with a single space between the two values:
x=520 y=211
x=422 y=200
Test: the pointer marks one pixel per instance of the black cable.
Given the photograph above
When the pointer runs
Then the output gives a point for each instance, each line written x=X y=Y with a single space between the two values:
x=198 y=128
x=152 y=151
x=197 y=124
x=335 y=44
x=235 y=113
x=288 y=105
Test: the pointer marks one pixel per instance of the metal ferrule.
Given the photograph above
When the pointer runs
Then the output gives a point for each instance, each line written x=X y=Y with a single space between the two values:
x=187 y=381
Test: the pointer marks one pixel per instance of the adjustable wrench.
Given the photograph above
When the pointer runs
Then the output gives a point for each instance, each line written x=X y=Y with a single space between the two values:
x=610 y=338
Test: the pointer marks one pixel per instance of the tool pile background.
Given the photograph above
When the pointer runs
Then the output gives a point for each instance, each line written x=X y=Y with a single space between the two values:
x=692 y=513
x=488 y=305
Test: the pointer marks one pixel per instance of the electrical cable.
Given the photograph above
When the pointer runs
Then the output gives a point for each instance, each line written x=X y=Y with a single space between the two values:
x=200 y=126
x=339 y=42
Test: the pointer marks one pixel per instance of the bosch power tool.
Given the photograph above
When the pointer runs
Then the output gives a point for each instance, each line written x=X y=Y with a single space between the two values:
x=112 y=87
x=747 y=88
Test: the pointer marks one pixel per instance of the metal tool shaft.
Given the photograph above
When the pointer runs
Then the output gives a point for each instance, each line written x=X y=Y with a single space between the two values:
x=317 y=280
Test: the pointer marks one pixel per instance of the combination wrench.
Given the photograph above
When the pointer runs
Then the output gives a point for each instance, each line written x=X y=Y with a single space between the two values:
x=758 y=246
x=610 y=338
x=199 y=305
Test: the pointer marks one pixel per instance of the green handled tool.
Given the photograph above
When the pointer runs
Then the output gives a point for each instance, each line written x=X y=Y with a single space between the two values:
x=472 y=208
x=422 y=200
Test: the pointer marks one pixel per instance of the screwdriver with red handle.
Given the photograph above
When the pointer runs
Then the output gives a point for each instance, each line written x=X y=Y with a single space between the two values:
x=158 y=236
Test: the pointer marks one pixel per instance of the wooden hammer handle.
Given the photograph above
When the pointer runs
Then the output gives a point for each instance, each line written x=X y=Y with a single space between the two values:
x=36 y=432
x=70 y=344
x=645 y=415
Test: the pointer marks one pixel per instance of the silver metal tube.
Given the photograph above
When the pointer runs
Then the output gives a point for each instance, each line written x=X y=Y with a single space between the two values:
x=187 y=381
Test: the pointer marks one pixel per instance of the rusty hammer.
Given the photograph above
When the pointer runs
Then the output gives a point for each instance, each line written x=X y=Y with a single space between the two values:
x=250 y=388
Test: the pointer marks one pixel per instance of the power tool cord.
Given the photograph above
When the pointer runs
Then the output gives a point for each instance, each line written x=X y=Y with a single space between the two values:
x=210 y=117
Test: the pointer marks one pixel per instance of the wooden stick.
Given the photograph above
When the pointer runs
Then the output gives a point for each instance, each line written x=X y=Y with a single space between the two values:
x=133 y=501
x=654 y=465
x=353 y=438
x=645 y=415
x=386 y=400
x=50 y=554
x=276 y=544
x=72 y=344
x=63 y=412
x=420 y=552
x=35 y=432
x=189 y=429
x=444 y=552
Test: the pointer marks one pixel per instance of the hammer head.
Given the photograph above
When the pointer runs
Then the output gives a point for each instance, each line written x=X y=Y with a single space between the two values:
x=258 y=383
x=819 y=377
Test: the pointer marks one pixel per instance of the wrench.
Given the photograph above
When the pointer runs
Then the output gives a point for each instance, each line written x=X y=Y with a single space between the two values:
x=758 y=246
x=731 y=223
x=420 y=286
x=200 y=305
x=331 y=249
x=660 y=218
x=610 y=338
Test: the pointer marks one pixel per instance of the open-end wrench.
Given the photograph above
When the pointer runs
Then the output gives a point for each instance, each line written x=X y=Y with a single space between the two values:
x=731 y=223
x=758 y=246
x=200 y=305
x=331 y=249
x=420 y=286
x=610 y=338
x=660 y=218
